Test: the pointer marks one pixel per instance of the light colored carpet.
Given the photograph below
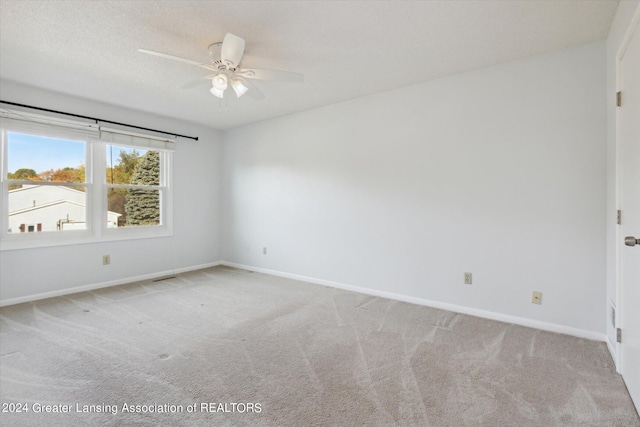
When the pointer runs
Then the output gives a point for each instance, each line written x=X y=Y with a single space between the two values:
x=302 y=354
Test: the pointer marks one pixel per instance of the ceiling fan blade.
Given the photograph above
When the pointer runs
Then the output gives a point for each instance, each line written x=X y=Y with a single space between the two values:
x=253 y=92
x=232 y=50
x=176 y=58
x=273 y=75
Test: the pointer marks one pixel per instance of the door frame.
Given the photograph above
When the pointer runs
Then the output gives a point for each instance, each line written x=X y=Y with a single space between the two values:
x=619 y=238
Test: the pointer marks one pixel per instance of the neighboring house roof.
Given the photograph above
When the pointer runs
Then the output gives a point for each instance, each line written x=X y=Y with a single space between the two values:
x=48 y=204
x=26 y=187
x=45 y=205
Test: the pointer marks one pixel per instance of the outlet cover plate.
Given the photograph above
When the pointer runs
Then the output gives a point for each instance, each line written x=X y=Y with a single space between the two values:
x=536 y=297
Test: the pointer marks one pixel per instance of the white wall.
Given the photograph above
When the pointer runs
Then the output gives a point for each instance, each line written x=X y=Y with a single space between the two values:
x=621 y=22
x=499 y=172
x=196 y=211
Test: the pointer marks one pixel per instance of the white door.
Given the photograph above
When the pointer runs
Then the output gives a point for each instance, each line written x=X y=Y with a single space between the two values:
x=629 y=202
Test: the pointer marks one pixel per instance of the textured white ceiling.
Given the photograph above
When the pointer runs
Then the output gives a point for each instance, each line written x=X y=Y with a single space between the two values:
x=345 y=49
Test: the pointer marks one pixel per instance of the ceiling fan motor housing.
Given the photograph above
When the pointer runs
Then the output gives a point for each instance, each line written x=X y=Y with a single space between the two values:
x=215 y=50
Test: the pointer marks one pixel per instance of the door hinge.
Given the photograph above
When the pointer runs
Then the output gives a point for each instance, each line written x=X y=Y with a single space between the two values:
x=618 y=99
x=619 y=335
x=619 y=217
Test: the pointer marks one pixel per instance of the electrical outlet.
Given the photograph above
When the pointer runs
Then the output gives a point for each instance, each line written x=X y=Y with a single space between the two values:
x=264 y=251
x=536 y=297
x=467 y=278
x=106 y=259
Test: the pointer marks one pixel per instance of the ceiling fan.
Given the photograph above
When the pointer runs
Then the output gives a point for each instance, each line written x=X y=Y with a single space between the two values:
x=228 y=69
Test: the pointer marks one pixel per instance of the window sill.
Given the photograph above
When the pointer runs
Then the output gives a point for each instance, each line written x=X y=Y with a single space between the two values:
x=31 y=241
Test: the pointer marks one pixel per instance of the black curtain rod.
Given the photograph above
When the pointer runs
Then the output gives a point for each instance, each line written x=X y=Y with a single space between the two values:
x=96 y=119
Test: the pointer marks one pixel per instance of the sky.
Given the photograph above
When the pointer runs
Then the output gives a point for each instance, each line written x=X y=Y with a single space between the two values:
x=44 y=153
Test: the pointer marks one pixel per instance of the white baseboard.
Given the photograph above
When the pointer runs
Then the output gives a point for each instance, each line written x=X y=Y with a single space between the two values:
x=545 y=326
x=614 y=355
x=551 y=327
x=93 y=286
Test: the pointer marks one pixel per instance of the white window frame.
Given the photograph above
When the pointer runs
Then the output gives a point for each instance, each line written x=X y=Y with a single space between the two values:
x=166 y=204
x=96 y=207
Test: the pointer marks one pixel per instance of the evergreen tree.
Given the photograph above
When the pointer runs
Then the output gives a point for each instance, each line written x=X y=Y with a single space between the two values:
x=143 y=206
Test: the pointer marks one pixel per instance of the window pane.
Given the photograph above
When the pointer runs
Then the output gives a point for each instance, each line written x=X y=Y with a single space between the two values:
x=133 y=207
x=39 y=158
x=132 y=166
x=42 y=208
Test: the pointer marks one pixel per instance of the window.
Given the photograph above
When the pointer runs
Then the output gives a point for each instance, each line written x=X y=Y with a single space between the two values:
x=46 y=180
x=133 y=186
x=67 y=182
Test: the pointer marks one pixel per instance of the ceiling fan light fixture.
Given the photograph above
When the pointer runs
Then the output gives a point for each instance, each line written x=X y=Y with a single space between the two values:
x=217 y=92
x=238 y=87
x=220 y=82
